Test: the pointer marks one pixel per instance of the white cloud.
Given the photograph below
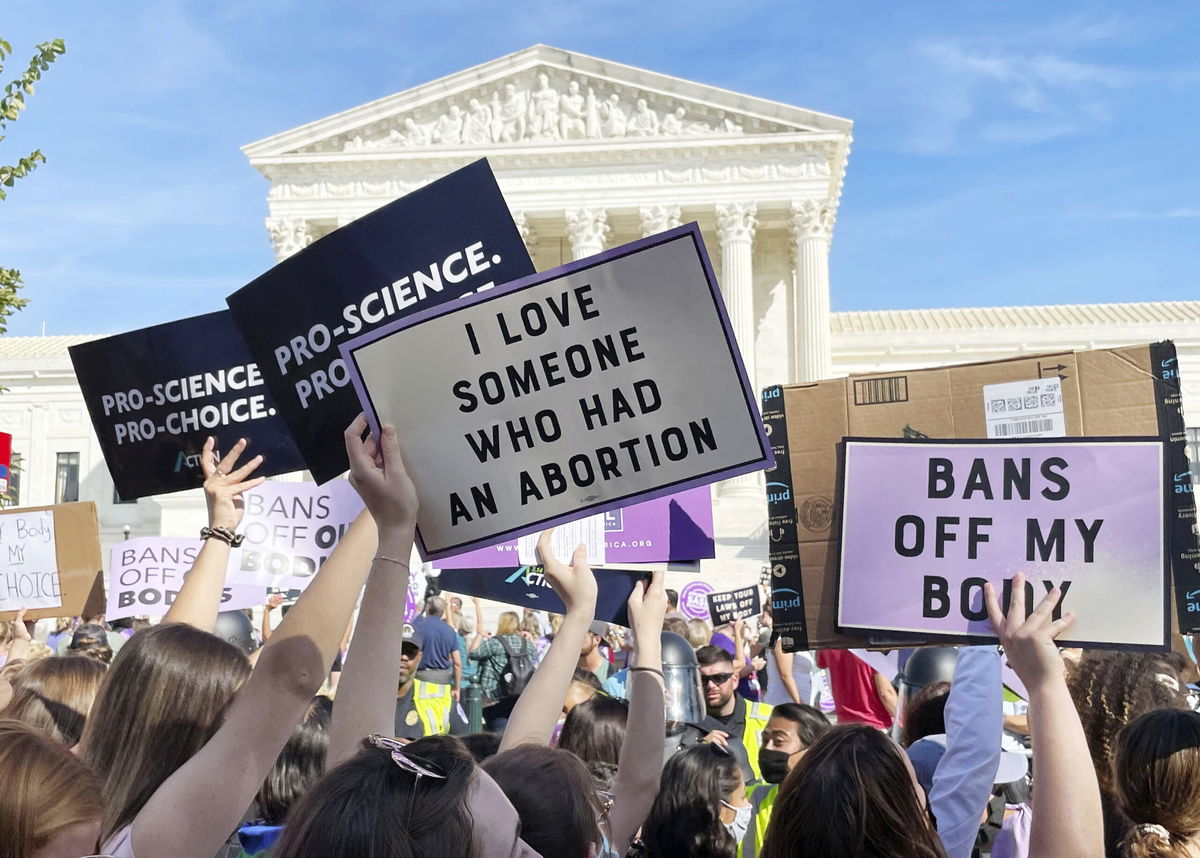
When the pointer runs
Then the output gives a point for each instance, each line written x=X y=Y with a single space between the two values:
x=1166 y=214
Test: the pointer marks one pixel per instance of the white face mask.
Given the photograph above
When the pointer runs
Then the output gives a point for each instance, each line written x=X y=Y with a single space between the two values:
x=741 y=821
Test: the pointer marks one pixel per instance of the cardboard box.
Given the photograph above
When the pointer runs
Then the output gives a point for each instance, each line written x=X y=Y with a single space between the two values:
x=1123 y=392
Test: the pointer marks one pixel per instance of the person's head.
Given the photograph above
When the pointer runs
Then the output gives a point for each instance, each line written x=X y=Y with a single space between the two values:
x=410 y=654
x=299 y=765
x=376 y=804
x=508 y=624
x=925 y=713
x=236 y=628
x=698 y=797
x=594 y=731
x=456 y=604
x=91 y=640
x=591 y=640
x=1111 y=688
x=435 y=606
x=790 y=730
x=584 y=686
x=531 y=626
x=672 y=600
x=55 y=695
x=676 y=626
x=482 y=745
x=698 y=634
x=160 y=702
x=466 y=626
x=852 y=795
x=1156 y=777
x=52 y=801
x=717 y=678
x=552 y=792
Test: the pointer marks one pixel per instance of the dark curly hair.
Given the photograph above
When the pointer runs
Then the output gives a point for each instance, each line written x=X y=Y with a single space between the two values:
x=685 y=821
x=1112 y=688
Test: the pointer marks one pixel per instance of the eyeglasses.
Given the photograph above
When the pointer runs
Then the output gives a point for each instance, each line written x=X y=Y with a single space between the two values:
x=411 y=763
x=715 y=678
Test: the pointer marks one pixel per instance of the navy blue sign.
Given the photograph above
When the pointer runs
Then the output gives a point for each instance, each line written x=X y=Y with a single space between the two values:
x=527 y=587
x=154 y=395
x=450 y=238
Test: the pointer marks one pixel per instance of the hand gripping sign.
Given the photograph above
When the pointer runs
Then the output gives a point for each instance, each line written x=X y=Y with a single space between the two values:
x=925 y=524
x=601 y=383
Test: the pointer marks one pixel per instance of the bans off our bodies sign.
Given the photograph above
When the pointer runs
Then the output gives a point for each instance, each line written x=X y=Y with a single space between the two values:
x=598 y=384
x=925 y=524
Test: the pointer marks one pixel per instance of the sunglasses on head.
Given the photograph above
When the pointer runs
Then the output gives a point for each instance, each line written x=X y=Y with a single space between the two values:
x=410 y=763
x=715 y=678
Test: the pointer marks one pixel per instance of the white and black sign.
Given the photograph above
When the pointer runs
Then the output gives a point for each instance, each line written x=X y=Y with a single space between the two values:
x=155 y=395
x=145 y=575
x=450 y=238
x=601 y=383
x=734 y=605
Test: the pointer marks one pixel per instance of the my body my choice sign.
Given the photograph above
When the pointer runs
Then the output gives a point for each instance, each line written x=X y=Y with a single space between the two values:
x=1085 y=515
x=603 y=382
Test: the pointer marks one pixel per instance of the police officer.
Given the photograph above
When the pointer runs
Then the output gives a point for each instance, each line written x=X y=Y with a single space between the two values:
x=732 y=721
x=422 y=708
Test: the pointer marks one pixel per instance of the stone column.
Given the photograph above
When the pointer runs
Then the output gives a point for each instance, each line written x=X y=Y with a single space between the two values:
x=812 y=226
x=288 y=236
x=527 y=234
x=587 y=229
x=736 y=223
x=656 y=219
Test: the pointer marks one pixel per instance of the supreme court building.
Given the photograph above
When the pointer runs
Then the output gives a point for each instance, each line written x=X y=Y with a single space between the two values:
x=591 y=154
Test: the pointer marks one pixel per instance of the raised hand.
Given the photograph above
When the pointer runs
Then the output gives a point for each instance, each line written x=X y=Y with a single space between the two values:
x=647 y=606
x=574 y=584
x=224 y=483
x=1029 y=642
x=378 y=475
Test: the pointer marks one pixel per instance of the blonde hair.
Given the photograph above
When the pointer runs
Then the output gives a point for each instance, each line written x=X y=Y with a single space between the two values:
x=508 y=624
x=160 y=703
x=47 y=790
x=55 y=695
x=698 y=634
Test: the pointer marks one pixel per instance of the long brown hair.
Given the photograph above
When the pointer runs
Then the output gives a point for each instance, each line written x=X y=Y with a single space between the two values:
x=1156 y=775
x=850 y=796
x=160 y=702
x=47 y=790
x=368 y=805
x=55 y=695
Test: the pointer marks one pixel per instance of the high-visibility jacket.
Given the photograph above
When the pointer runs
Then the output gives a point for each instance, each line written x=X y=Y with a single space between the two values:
x=757 y=715
x=433 y=703
x=762 y=800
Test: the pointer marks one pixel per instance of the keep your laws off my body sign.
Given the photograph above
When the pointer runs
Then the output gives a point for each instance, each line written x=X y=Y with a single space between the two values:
x=925 y=524
x=598 y=384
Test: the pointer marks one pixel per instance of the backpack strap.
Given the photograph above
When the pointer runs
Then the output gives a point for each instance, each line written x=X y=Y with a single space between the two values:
x=508 y=651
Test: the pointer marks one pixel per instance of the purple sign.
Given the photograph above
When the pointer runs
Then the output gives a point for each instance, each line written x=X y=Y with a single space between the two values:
x=602 y=383
x=925 y=524
x=693 y=600
x=668 y=529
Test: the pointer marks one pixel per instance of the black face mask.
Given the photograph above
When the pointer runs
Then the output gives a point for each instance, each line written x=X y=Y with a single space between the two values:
x=773 y=765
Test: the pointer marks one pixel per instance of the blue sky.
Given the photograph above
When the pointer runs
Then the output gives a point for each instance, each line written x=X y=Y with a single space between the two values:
x=1005 y=153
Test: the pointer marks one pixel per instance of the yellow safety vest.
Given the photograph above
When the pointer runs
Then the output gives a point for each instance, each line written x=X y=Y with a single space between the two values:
x=757 y=715
x=433 y=703
x=762 y=799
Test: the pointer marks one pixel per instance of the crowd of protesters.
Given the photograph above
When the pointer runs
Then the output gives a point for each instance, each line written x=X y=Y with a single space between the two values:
x=197 y=737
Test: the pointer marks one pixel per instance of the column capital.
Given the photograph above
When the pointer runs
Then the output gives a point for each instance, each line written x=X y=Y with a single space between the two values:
x=527 y=234
x=656 y=219
x=587 y=230
x=811 y=219
x=288 y=236
x=736 y=221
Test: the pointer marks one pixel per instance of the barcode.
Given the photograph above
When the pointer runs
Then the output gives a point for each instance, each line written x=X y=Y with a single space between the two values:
x=1022 y=427
x=877 y=391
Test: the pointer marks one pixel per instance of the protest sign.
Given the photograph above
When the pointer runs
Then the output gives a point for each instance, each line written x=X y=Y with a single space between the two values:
x=1083 y=515
x=57 y=577
x=603 y=382
x=734 y=605
x=693 y=600
x=291 y=529
x=28 y=561
x=145 y=574
x=669 y=529
x=450 y=238
x=527 y=587
x=155 y=395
